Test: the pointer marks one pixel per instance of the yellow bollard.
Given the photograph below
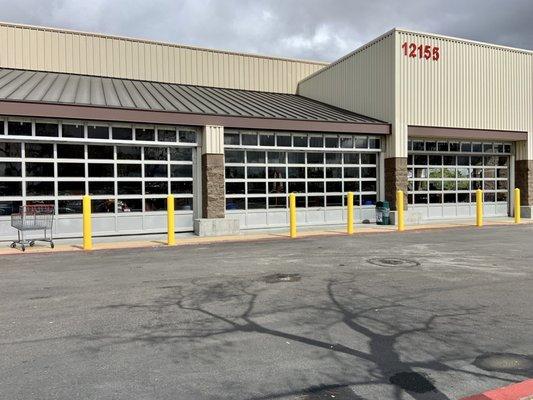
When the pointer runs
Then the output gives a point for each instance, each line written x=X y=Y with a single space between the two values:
x=399 y=209
x=517 y=215
x=350 y=213
x=171 y=235
x=87 y=227
x=479 y=208
x=292 y=214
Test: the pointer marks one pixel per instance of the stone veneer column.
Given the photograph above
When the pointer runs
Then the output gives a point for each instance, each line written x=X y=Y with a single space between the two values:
x=213 y=200
x=524 y=182
x=213 y=221
x=395 y=179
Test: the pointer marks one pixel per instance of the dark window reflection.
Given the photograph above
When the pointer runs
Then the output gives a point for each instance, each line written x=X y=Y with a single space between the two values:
x=19 y=128
x=8 y=149
x=69 y=207
x=119 y=133
x=10 y=188
x=181 y=187
x=128 y=153
x=72 y=131
x=9 y=207
x=235 y=204
x=181 y=154
x=99 y=188
x=129 y=205
x=145 y=134
x=39 y=188
x=71 y=188
x=98 y=132
x=70 y=151
x=166 y=135
x=51 y=130
x=101 y=170
x=183 y=204
x=156 y=187
x=129 y=188
x=40 y=169
x=103 y=206
x=100 y=152
x=155 y=153
x=155 y=205
x=158 y=170
x=39 y=150
x=11 y=169
x=128 y=170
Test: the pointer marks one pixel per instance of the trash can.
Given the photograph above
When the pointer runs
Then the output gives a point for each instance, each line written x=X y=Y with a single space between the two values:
x=382 y=213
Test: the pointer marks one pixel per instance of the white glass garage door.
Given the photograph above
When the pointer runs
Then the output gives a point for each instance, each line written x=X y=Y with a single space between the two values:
x=128 y=182
x=444 y=175
x=261 y=169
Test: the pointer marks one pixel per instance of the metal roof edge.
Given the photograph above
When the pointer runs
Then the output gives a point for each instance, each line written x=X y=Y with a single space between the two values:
x=148 y=41
x=343 y=58
x=463 y=40
x=377 y=128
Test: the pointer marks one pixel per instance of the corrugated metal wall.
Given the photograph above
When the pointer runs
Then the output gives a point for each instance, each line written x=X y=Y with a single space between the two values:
x=45 y=49
x=362 y=82
x=471 y=85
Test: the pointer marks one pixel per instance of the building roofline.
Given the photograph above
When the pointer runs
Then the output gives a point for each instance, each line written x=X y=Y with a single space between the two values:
x=403 y=30
x=463 y=40
x=31 y=109
x=357 y=50
x=155 y=42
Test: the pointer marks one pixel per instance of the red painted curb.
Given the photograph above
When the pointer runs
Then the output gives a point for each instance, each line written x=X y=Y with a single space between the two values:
x=517 y=391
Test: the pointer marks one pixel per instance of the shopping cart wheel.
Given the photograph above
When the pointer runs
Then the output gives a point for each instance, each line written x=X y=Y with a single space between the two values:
x=32 y=243
x=13 y=245
x=52 y=245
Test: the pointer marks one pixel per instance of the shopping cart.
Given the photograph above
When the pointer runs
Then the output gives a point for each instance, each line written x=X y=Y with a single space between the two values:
x=33 y=218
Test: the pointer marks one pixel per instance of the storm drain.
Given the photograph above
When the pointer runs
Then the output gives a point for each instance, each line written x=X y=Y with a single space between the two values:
x=506 y=362
x=275 y=278
x=337 y=392
x=394 y=262
x=412 y=382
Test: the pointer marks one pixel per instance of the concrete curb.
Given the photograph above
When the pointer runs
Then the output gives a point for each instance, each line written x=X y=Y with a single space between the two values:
x=359 y=230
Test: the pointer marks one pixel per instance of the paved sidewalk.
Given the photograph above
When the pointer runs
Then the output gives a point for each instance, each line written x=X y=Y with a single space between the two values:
x=159 y=240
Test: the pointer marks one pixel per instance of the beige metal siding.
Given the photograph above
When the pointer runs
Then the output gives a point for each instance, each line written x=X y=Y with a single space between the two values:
x=44 y=49
x=213 y=139
x=472 y=85
x=361 y=82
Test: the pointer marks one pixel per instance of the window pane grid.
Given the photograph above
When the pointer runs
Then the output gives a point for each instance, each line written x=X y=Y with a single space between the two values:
x=259 y=178
x=454 y=178
x=43 y=178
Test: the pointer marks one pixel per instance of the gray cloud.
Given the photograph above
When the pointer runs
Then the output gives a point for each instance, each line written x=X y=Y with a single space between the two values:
x=311 y=29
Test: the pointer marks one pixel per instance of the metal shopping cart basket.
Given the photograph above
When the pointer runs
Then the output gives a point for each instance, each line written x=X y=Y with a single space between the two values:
x=33 y=218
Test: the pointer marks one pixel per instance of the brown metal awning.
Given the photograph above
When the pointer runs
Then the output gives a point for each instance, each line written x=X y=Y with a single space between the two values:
x=429 y=132
x=55 y=95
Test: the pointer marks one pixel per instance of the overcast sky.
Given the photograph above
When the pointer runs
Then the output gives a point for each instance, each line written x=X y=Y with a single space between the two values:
x=309 y=29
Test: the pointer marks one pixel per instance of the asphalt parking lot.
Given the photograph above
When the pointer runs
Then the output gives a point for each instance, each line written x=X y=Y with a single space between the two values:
x=421 y=315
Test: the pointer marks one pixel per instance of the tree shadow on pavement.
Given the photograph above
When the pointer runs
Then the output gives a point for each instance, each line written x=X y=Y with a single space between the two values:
x=219 y=308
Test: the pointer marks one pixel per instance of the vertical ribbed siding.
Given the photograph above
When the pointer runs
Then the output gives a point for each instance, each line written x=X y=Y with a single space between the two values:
x=51 y=50
x=364 y=81
x=472 y=85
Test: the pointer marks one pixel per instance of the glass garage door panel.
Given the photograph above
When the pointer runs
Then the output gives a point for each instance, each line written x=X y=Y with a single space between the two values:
x=262 y=169
x=128 y=184
x=444 y=176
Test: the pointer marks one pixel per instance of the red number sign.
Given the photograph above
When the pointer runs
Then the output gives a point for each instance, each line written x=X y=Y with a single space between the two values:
x=426 y=51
